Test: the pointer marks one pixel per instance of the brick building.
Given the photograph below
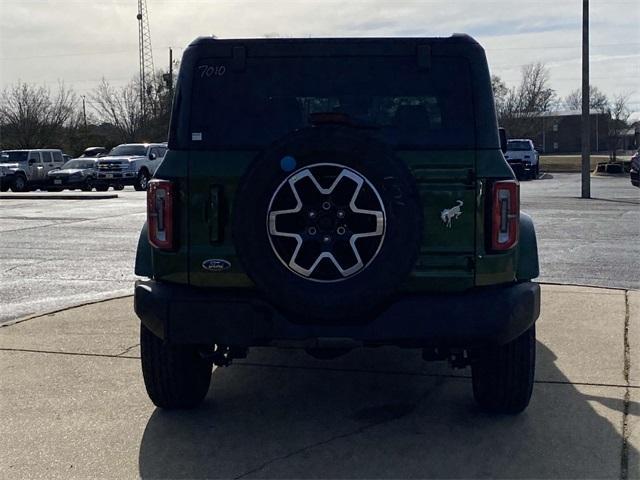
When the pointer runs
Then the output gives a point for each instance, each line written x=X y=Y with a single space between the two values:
x=560 y=132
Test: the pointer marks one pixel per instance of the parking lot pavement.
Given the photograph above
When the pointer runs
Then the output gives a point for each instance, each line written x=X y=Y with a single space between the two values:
x=57 y=253
x=585 y=242
x=73 y=406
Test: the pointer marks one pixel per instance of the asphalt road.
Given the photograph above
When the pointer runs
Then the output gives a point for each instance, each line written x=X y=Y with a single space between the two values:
x=59 y=253
x=586 y=242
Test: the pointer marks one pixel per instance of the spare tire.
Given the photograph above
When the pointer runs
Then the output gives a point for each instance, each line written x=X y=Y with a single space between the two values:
x=327 y=223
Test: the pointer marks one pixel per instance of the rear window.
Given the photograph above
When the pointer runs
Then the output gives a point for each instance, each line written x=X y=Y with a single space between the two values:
x=390 y=96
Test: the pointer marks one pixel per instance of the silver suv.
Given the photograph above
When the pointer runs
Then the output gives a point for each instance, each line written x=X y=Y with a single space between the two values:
x=23 y=170
x=130 y=164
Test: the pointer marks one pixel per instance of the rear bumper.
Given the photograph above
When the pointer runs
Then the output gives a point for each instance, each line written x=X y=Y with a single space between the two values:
x=483 y=316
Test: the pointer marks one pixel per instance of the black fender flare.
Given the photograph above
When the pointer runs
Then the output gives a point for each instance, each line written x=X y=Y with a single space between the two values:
x=144 y=260
x=527 y=261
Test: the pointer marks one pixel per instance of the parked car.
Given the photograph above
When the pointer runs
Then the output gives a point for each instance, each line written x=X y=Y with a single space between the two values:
x=634 y=170
x=23 y=170
x=92 y=152
x=523 y=158
x=79 y=173
x=304 y=202
x=130 y=164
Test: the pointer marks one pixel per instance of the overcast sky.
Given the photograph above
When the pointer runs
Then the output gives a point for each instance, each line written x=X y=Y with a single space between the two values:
x=80 y=41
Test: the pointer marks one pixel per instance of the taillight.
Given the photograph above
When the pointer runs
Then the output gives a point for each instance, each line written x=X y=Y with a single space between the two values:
x=505 y=215
x=160 y=214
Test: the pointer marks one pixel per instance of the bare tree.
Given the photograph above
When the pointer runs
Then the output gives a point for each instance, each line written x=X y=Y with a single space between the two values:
x=119 y=107
x=618 y=122
x=534 y=93
x=518 y=108
x=32 y=116
x=500 y=94
x=597 y=99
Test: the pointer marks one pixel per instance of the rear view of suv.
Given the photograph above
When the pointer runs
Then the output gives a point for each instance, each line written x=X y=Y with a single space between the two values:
x=330 y=194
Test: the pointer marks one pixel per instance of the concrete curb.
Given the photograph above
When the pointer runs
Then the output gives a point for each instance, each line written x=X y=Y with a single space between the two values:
x=63 y=309
x=57 y=196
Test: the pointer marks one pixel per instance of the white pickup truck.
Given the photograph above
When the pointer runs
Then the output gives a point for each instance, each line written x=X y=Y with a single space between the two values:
x=129 y=164
x=523 y=158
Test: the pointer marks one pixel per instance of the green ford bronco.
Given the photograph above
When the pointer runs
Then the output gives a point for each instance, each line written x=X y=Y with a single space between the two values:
x=329 y=194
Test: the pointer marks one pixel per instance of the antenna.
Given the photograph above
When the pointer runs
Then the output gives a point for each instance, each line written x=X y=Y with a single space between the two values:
x=146 y=57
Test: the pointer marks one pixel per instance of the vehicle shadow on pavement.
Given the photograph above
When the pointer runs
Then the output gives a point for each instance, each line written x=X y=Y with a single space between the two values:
x=381 y=413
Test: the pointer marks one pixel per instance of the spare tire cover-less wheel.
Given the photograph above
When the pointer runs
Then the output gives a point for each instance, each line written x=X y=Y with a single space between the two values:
x=327 y=223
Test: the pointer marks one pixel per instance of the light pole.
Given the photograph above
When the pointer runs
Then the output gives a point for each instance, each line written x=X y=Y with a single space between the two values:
x=586 y=133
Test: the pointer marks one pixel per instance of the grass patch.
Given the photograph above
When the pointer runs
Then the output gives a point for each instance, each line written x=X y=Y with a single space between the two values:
x=570 y=163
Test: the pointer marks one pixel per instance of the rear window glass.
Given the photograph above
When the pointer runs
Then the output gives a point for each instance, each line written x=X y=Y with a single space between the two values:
x=390 y=96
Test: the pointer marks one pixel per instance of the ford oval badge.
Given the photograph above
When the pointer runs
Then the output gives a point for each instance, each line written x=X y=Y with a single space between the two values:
x=216 y=265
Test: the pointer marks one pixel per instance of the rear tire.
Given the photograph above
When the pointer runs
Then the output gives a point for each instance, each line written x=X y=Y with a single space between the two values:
x=118 y=187
x=503 y=376
x=102 y=188
x=142 y=181
x=176 y=376
x=88 y=185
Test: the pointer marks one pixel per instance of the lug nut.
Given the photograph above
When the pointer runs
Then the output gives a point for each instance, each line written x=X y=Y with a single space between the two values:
x=326 y=205
x=341 y=231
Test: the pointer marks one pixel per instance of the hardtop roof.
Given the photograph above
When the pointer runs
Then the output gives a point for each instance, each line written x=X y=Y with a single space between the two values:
x=456 y=38
x=326 y=46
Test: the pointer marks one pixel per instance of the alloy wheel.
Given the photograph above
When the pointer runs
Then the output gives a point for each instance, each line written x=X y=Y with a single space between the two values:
x=326 y=222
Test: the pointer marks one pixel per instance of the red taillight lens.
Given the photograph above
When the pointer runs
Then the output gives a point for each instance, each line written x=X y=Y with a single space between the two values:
x=505 y=211
x=160 y=198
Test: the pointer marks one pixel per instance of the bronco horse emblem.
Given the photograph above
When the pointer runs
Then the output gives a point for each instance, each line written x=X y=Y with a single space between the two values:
x=452 y=213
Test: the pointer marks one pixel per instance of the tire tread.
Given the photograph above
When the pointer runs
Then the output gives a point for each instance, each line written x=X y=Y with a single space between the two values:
x=503 y=376
x=174 y=375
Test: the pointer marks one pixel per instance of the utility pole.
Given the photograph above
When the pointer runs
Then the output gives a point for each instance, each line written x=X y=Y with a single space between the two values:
x=586 y=133
x=171 y=72
x=84 y=111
